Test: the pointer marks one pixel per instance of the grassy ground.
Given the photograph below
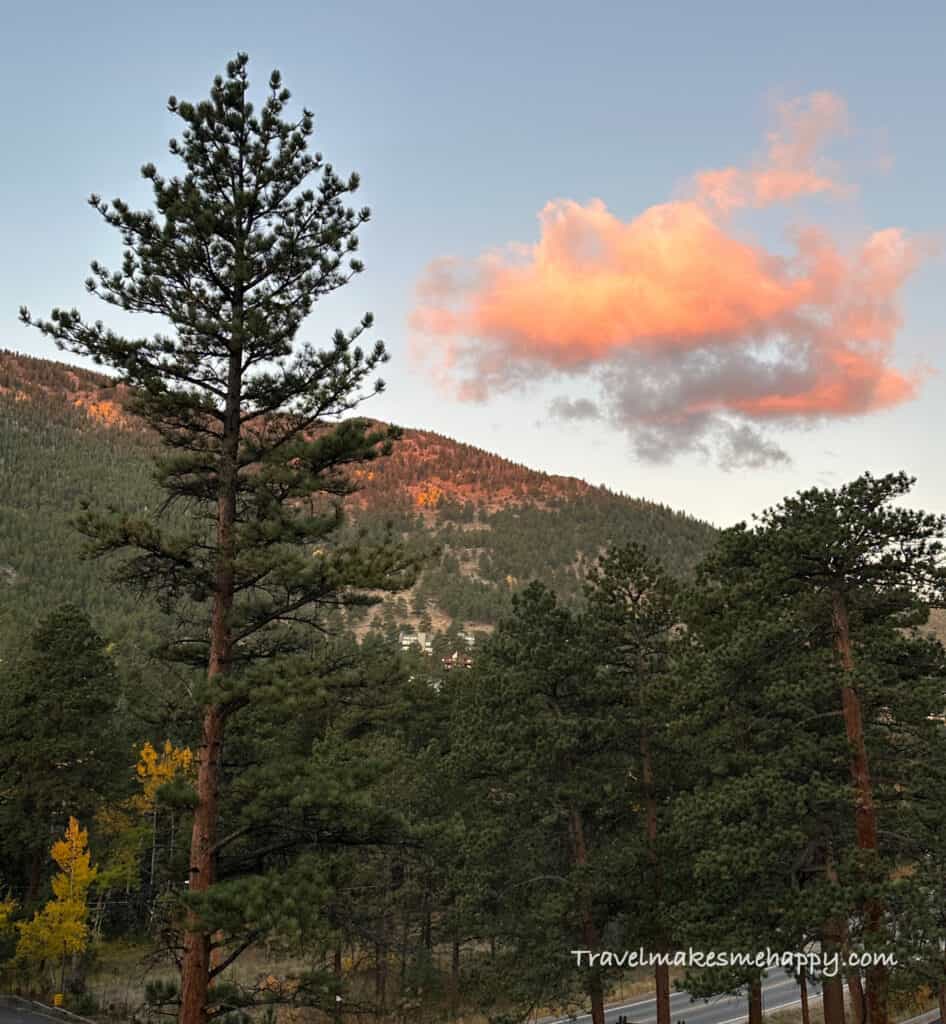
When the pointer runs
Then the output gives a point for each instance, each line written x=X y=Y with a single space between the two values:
x=119 y=972
x=901 y=1008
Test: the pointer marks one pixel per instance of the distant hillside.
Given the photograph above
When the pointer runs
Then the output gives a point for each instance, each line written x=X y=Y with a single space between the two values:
x=65 y=436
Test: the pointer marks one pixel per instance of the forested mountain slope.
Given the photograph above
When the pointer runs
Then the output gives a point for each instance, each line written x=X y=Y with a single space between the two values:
x=65 y=437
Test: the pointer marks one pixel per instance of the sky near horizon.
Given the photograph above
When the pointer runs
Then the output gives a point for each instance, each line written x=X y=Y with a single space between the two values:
x=692 y=252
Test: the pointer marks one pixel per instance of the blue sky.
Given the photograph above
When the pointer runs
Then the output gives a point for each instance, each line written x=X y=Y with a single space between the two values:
x=464 y=121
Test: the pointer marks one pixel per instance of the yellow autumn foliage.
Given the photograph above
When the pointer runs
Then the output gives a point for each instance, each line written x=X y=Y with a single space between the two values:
x=154 y=770
x=61 y=927
x=76 y=873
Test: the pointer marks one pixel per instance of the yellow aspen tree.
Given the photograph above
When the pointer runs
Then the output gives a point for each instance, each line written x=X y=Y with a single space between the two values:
x=155 y=770
x=76 y=872
x=61 y=927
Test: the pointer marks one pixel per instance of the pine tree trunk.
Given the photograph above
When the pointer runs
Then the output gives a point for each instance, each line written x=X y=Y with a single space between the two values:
x=662 y=983
x=832 y=1000
x=865 y=810
x=858 y=1005
x=755 y=1001
x=803 y=986
x=832 y=989
x=878 y=986
x=661 y=971
x=589 y=929
x=595 y=988
x=941 y=996
x=833 y=938
x=865 y=813
x=195 y=966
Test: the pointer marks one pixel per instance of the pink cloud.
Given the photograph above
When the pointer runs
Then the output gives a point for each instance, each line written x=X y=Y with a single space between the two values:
x=792 y=166
x=689 y=327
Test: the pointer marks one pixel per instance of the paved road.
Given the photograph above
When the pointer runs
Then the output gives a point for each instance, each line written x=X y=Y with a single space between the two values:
x=11 y=1016
x=778 y=990
x=19 y=1011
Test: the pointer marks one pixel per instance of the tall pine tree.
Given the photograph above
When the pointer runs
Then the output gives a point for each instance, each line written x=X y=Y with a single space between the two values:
x=859 y=562
x=539 y=748
x=234 y=257
x=633 y=619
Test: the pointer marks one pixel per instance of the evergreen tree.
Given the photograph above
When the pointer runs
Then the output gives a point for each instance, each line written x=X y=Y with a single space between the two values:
x=633 y=621
x=63 y=745
x=538 y=739
x=235 y=255
x=860 y=567
x=763 y=801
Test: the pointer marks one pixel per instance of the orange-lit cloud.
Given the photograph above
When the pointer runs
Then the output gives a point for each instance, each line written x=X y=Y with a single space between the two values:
x=792 y=166
x=690 y=330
